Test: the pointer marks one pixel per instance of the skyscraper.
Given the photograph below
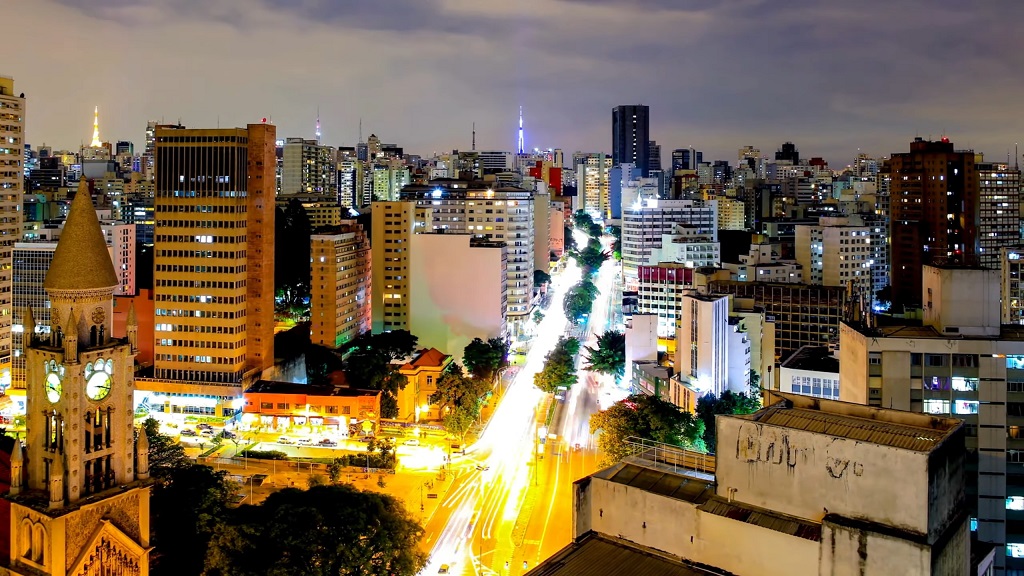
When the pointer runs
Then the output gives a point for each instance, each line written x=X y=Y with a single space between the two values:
x=12 y=182
x=686 y=159
x=999 y=200
x=631 y=137
x=934 y=204
x=309 y=168
x=214 y=270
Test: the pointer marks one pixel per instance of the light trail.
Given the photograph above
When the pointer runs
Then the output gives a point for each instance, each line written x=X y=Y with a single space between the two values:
x=506 y=445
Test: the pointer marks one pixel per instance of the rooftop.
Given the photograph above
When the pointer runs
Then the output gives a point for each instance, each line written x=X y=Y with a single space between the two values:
x=813 y=358
x=274 y=387
x=905 y=430
x=599 y=555
x=1011 y=332
x=81 y=261
x=428 y=358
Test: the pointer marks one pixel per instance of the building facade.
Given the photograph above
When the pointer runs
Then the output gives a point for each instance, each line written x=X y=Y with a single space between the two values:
x=631 y=135
x=999 y=210
x=12 y=188
x=309 y=168
x=645 y=224
x=214 y=270
x=341 y=285
x=660 y=291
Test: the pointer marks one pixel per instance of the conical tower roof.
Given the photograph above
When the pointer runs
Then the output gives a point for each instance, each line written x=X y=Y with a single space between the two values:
x=81 y=261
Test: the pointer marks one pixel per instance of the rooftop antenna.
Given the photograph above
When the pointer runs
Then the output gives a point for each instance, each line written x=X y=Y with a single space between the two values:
x=360 y=130
x=521 y=146
x=474 y=136
x=1016 y=157
x=317 y=124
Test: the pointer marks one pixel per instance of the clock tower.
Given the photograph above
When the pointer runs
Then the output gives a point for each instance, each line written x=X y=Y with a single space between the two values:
x=81 y=503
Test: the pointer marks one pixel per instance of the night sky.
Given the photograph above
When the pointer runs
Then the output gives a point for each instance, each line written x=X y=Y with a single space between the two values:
x=832 y=76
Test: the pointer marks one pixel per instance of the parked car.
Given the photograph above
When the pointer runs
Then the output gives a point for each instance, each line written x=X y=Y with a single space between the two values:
x=327 y=442
x=228 y=435
x=413 y=442
x=204 y=427
x=206 y=432
x=285 y=440
x=188 y=432
x=305 y=441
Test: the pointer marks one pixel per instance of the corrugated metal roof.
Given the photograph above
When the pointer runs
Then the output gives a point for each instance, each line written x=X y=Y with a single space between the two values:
x=598 y=556
x=904 y=436
x=665 y=483
x=764 y=518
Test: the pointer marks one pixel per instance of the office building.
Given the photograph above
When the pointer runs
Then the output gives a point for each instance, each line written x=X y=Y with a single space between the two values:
x=802 y=314
x=691 y=245
x=811 y=371
x=959 y=361
x=803 y=486
x=214 y=269
x=686 y=159
x=836 y=253
x=494 y=162
x=649 y=220
x=341 y=288
x=999 y=210
x=712 y=355
x=309 y=167
x=631 y=135
x=764 y=263
x=12 y=184
x=660 y=291
x=653 y=157
x=31 y=261
x=788 y=154
x=934 y=203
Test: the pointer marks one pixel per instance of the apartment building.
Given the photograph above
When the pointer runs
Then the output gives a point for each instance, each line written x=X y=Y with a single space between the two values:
x=12 y=188
x=648 y=221
x=341 y=285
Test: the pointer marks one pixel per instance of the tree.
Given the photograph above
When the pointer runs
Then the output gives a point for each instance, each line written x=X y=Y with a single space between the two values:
x=165 y=455
x=323 y=531
x=559 y=366
x=456 y=390
x=610 y=355
x=579 y=300
x=647 y=417
x=591 y=257
x=369 y=365
x=292 y=253
x=595 y=230
x=616 y=232
x=188 y=500
x=540 y=277
x=320 y=362
x=582 y=220
x=484 y=359
x=708 y=406
x=458 y=421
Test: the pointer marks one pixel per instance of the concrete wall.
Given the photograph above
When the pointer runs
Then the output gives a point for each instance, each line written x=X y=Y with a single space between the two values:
x=962 y=298
x=803 y=474
x=853 y=365
x=677 y=527
x=456 y=292
x=847 y=551
x=641 y=341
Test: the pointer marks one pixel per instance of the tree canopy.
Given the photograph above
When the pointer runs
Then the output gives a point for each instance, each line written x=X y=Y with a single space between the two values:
x=324 y=531
x=540 y=277
x=610 y=355
x=647 y=417
x=591 y=257
x=188 y=500
x=484 y=359
x=456 y=390
x=569 y=243
x=369 y=365
x=559 y=366
x=579 y=300
x=708 y=406
x=582 y=220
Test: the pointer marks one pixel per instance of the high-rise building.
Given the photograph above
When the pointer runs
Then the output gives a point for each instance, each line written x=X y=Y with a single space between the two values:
x=934 y=204
x=788 y=153
x=214 y=270
x=653 y=157
x=12 y=183
x=840 y=252
x=340 y=299
x=309 y=168
x=999 y=210
x=79 y=423
x=1011 y=292
x=631 y=135
x=686 y=159
x=391 y=230
x=31 y=261
x=592 y=175
x=647 y=222
x=503 y=214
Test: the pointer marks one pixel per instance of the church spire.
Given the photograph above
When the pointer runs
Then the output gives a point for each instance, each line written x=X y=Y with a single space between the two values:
x=142 y=455
x=29 y=325
x=17 y=468
x=132 y=328
x=96 y=128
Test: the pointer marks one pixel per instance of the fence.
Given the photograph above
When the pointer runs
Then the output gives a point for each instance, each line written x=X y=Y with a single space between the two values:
x=669 y=456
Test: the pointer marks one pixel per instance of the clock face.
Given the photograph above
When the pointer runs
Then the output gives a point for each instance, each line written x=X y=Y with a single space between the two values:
x=97 y=379
x=98 y=316
x=54 y=388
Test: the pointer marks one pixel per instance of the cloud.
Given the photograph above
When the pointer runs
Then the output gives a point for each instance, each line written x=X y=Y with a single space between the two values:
x=718 y=74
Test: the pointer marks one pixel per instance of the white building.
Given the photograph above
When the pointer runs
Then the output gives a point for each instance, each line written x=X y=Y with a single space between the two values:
x=692 y=246
x=660 y=291
x=803 y=487
x=836 y=253
x=711 y=354
x=811 y=371
x=961 y=362
x=641 y=341
x=1011 y=269
x=495 y=161
x=764 y=264
x=645 y=223
x=457 y=290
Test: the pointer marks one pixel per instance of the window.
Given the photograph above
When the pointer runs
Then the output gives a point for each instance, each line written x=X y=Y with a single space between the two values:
x=282 y=406
x=932 y=406
x=266 y=405
x=936 y=360
x=966 y=407
x=875 y=358
x=332 y=409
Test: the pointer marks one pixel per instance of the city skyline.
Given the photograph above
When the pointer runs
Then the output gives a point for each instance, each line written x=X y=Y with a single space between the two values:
x=834 y=80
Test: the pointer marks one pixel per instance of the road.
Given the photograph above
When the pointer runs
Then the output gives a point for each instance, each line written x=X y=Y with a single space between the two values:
x=517 y=506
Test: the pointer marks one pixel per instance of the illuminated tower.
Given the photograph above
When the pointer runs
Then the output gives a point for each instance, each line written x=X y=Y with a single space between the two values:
x=318 y=125
x=522 y=147
x=96 y=128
